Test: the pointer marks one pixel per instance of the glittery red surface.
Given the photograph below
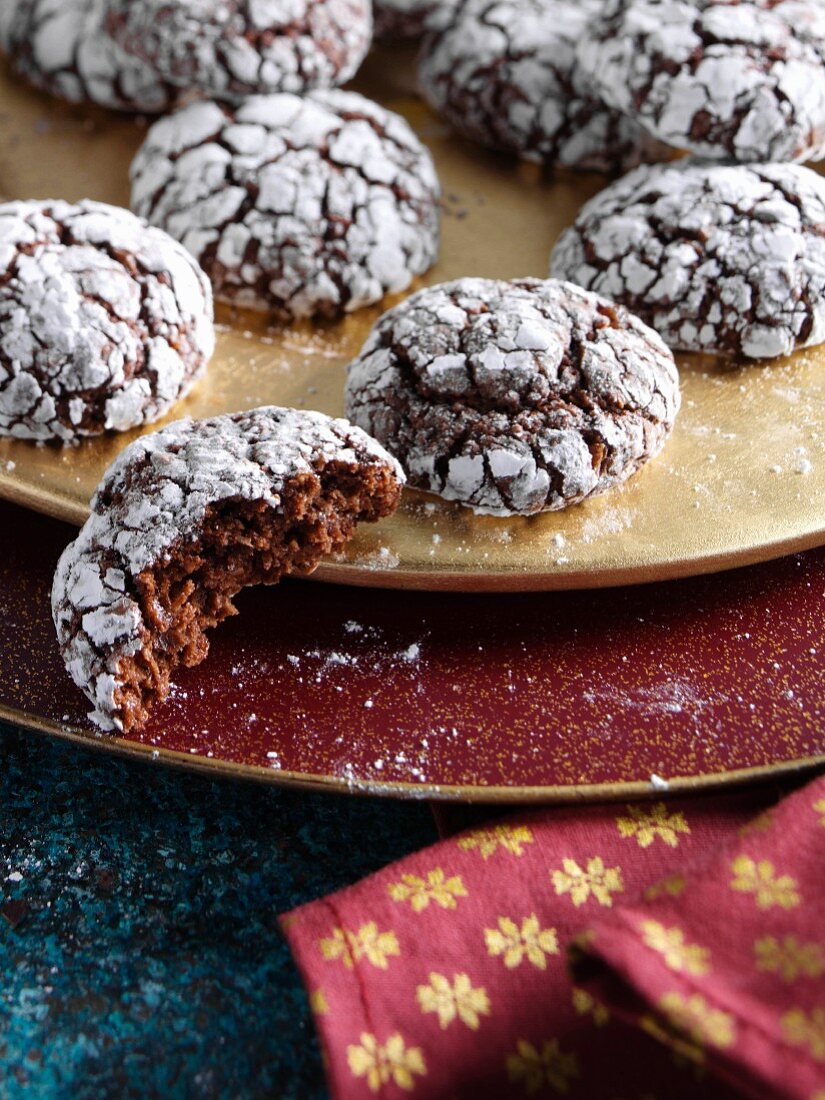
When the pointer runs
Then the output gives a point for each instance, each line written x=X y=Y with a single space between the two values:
x=693 y=678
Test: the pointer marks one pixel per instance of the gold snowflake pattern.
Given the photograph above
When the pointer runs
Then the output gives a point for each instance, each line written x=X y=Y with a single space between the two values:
x=367 y=943
x=670 y=887
x=420 y=892
x=454 y=1000
x=381 y=1063
x=530 y=941
x=318 y=1002
x=789 y=958
x=583 y=941
x=806 y=1030
x=698 y=1020
x=819 y=807
x=645 y=825
x=510 y=838
x=533 y=1068
x=670 y=943
x=685 y=1051
x=760 y=824
x=595 y=881
x=761 y=880
x=587 y=1005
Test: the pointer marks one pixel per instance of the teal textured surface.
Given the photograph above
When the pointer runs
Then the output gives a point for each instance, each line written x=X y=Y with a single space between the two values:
x=139 y=942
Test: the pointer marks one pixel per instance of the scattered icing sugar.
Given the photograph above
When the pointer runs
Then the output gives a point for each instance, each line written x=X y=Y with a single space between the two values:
x=669 y=697
x=382 y=558
x=608 y=521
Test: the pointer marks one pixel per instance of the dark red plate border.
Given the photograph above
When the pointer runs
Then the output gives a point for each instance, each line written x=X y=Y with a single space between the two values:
x=543 y=697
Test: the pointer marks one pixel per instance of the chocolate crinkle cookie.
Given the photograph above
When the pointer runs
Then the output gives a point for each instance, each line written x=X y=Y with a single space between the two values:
x=105 y=321
x=514 y=397
x=312 y=205
x=728 y=259
x=504 y=73
x=233 y=48
x=62 y=47
x=186 y=517
x=742 y=80
x=410 y=18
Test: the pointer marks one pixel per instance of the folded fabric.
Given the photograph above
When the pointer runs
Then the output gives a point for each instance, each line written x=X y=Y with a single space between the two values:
x=445 y=974
x=727 y=965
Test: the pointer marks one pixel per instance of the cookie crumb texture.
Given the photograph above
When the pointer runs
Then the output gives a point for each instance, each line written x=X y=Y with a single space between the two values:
x=742 y=80
x=234 y=48
x=727 y=259
x=184 y=519
x=301 y=206
x=62 y=47
x=514 y=397
x=105 y=322
x=504 y=73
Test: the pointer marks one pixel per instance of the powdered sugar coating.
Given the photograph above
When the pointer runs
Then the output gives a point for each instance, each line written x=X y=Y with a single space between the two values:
x=233 y=48
x=311 y=205
x=718 y=258
x=514 y=397
x=105 y=322
x=504 y=73
x=744 y=80
x=154 y=497
x=62 y=47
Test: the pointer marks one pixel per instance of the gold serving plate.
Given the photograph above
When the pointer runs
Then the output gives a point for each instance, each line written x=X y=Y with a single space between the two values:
x=741 y=480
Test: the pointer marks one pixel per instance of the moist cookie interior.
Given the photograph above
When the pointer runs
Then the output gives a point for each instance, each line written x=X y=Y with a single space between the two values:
x=239 y=543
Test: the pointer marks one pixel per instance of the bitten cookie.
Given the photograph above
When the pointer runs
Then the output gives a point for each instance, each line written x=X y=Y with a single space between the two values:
x=741 y=80
x=718 y=258
x=184 y=519
x=311 y=205
x=233 y=48
x=62 y=47
x=514 y=397
x=105 y=322
x=504 y=73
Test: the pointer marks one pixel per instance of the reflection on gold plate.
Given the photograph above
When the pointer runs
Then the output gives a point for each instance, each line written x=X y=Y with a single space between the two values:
x=741 y=480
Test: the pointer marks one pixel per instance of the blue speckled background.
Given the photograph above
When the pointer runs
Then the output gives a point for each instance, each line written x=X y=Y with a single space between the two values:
x=141 y=955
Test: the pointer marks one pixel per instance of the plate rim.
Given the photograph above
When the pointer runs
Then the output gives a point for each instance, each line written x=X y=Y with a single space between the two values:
x=47 y=503
x=533 y=795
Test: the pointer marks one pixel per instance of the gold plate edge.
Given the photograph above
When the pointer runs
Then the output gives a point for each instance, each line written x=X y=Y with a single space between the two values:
x=342 y=573
x=575 y=580
x=331 y=784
